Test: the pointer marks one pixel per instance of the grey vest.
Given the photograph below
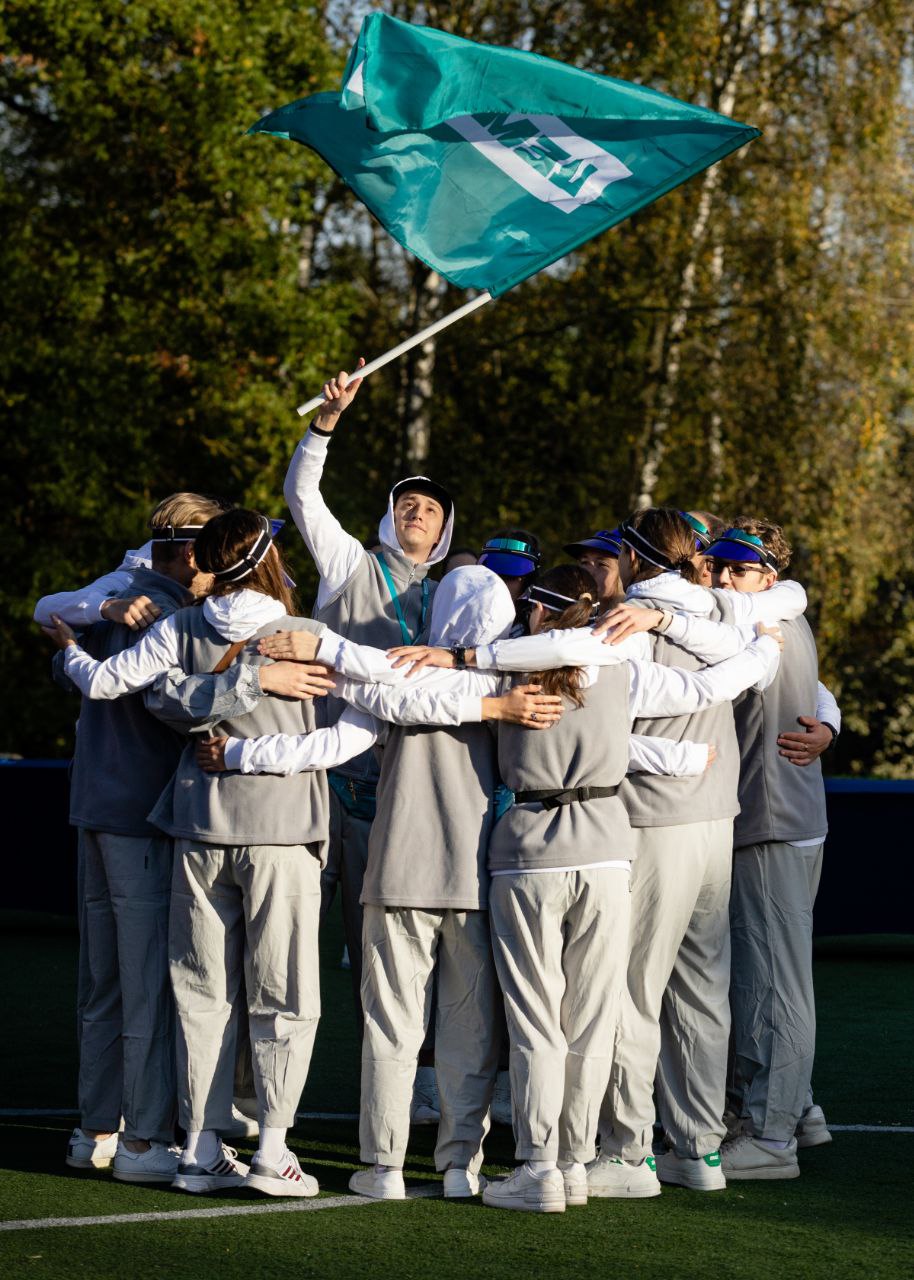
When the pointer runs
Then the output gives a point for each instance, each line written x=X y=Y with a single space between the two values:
x=363 y=611
x=428 y=842
x=235 y=808
x=778 y=800
x=657 y=800
x=587 y=748
x=123 y=756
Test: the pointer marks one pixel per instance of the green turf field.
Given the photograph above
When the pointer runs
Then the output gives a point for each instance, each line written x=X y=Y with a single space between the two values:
x=850 y=1214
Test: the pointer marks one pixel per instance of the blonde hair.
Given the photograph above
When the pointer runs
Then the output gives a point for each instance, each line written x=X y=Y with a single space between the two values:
x=180 y=510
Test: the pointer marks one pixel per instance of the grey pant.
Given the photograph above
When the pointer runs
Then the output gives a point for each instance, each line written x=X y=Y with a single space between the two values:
x=347 y=859
x=561 y=944
x=124 y=1005
x=403 y=949
x=675 y=1023
x=771 y=989
x=251 y=910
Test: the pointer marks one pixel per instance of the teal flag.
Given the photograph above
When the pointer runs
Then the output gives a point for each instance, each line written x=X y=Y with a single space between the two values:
x=489 y=163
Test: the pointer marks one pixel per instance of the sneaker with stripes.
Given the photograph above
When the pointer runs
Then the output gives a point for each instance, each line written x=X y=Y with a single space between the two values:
x=225 y=1172
x=283 y=1179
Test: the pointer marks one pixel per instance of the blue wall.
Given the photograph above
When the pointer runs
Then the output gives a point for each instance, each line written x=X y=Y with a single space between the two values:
x=862 y=890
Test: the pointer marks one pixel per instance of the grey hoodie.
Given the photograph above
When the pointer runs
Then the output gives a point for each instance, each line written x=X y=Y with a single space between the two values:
x=362 y=610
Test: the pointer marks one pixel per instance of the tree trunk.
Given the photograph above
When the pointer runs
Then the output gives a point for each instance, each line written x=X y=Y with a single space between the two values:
x=659 y=422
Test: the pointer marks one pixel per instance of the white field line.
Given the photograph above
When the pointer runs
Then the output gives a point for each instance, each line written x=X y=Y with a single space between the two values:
x=304 y=1206
x=223 y=1211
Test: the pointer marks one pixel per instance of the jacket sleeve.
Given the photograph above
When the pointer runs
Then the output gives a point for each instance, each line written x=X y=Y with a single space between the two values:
x=335 y=552
x=285 y=754
x=671 y=691
x=780 y=603
x=194 y=704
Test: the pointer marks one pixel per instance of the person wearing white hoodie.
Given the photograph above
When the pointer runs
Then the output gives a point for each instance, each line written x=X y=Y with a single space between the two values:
x=380 y=598
x=246 y=889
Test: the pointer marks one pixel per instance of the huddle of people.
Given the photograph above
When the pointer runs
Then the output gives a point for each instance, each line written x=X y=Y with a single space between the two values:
x=576 y=818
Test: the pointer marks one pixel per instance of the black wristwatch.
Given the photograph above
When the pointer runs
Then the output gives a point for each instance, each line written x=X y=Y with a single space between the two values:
x=459 y=654
x=834 y=733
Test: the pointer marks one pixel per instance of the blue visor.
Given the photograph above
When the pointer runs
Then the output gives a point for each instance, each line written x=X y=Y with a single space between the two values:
x=606 y=542
x=700 y=529
x=739 y=546
x=508 y=564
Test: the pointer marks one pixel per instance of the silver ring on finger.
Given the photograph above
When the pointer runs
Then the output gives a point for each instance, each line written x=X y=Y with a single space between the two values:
x=534 y=716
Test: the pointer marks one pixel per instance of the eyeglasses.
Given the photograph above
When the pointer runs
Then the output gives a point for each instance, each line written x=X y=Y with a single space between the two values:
x=735 y=570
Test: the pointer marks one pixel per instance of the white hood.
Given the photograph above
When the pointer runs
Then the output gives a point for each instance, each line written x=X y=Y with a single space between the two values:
x=387 y=535
x=241 y=614
x=673 y=590
x=472 y=606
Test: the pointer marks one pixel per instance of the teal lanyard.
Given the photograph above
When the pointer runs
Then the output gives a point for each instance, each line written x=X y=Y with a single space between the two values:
x=391 y=587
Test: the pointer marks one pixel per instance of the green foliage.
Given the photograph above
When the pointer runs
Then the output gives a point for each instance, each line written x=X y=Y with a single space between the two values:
x=173 y=289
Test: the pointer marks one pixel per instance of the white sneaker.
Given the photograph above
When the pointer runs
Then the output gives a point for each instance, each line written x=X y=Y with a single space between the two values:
x=283 y=1179
x=610 y=1177
x=158 y=1164
x=746 y=1159
x=460 y=1184
x=527 y=1191
x=812 y=1128
x=225 y=1172
x=242 y=1126
x=574 y=1176
x=84 y=1152
x=379 y=1184
x=426 y=1105
x=501 y=1100
x=698 y=1173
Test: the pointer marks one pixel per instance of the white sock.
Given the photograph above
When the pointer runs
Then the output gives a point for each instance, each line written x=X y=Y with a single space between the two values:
x=774 y=1143
x=202 y=1146
x=573 y=1166
x=388 y=1168
x=539 y=1167
x=272 y=1144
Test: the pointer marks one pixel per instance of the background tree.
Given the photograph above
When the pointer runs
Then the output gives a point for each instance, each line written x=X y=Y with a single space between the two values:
x=746 y=343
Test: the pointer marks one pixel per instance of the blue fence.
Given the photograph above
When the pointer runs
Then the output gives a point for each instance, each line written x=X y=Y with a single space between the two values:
x=862 y=890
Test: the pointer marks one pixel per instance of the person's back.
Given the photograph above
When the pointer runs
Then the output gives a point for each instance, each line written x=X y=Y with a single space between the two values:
x=235 y=808
x=778 y=801
x=123 y=757
x=587 y=748
x=425 y=899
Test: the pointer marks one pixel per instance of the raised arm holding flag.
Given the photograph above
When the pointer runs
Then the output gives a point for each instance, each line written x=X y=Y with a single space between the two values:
x=490 y=164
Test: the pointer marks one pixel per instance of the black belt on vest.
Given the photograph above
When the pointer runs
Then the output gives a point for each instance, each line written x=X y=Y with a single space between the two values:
x=552 y=799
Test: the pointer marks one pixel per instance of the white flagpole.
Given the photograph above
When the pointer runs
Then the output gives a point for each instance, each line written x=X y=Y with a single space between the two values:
x=414 y=341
